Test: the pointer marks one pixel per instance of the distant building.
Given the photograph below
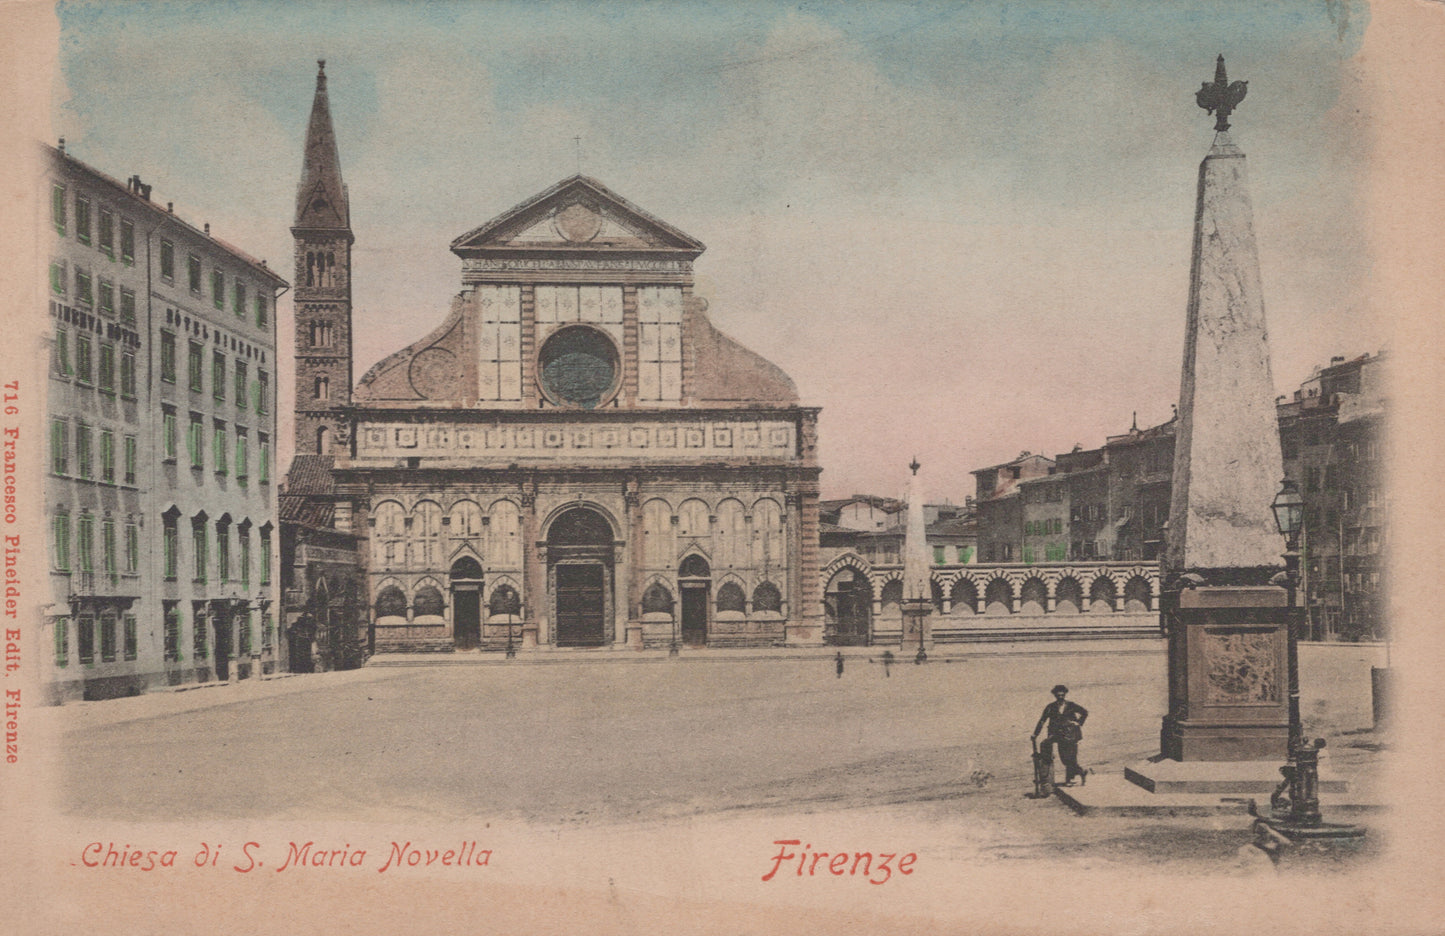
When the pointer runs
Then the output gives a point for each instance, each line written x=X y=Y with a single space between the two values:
x=322 y=587
x=875 y=537
x=159 y=497
x=1112 y=503
x=1000 y=505
x=1334 y=441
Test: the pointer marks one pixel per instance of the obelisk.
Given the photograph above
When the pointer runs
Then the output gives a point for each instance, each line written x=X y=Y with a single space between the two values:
x=1225 y=619
x=917 y=582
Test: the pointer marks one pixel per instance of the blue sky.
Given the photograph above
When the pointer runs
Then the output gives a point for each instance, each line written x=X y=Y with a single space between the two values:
x=963 y=228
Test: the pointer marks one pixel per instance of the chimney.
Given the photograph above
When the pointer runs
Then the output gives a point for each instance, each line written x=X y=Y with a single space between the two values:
x=62 y=146
x=171 y=207
x=1337 y=359
x=208 y=229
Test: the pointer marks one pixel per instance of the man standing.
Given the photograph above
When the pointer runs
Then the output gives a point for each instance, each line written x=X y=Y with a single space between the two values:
x=1066 y=721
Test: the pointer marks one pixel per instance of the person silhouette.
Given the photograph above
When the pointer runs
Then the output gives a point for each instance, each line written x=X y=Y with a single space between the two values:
x=1065 y=721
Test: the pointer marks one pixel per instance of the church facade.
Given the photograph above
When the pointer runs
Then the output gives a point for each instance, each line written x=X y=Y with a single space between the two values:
x=574 y=457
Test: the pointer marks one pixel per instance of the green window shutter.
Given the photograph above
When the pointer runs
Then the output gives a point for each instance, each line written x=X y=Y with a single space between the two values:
x=57 y=208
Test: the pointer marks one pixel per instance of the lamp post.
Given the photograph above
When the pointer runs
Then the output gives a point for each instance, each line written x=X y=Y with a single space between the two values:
x=1301 y=773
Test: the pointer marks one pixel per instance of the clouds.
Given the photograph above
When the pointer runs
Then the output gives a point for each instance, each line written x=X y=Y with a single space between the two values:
x=971 y=218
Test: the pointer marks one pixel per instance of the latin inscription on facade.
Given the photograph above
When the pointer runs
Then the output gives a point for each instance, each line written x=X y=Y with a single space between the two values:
x=771 y=439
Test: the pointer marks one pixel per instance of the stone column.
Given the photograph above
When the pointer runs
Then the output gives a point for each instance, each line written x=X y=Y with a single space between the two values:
x=632 y=499
x=534 y=570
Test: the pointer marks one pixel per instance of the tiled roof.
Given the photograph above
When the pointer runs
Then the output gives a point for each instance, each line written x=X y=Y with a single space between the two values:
x=310 y=474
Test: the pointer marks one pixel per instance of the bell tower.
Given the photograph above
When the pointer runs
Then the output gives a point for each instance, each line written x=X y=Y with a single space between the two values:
x=322 y=294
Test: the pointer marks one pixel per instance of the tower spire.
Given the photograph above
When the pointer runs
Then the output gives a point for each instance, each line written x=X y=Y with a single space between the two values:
x=321 y=201
x=322 y=291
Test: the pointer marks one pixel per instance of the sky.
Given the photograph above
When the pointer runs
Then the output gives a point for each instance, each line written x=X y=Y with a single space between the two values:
x=962 y=228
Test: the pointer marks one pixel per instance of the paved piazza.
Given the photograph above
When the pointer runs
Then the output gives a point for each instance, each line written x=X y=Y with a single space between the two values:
x=587 y=742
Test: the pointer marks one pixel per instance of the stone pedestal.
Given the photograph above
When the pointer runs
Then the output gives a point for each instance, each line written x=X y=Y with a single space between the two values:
x=529 y=636
x=1228 y=674
x=917 y=626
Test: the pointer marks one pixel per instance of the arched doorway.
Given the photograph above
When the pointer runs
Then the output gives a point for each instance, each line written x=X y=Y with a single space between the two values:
x=848 y=603
x=579 y=559
x=694 y=579
x=465 y=581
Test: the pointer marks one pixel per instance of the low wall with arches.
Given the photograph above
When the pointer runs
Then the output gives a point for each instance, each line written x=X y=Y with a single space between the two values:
x=994 y=601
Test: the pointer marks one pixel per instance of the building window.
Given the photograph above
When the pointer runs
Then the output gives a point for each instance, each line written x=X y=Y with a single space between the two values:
x=85 y=637
x=132 y=548
x=106 y=239
x=57 y=208
x=938 y=555
x=60 y=534
x=964 y=553
x=107 y=298
x=62 y=641
x=127 y=374
x=62 y=352
x=263 y=390
x=263 y=459
x=199 y=644
x=219 y=440
x=107 y=456
x=193 y=369
x=323 y=388
x=106 y=381
x=130 y=636
x=243 y=456
x=218 y=289
x=82 y=358
x=268 y=630
x=195 y=442
x=239 y=299
x=83 y=466
x=107 y=549
x=242 y=379
x=85 y=542
x=321 y=334
x=83 y=293
x=59 y=447
x=193 y=270
x=244 y=571
x=243 y=634
x=82 y=220
x=261 y=317
x=168 y=357
x=218 y=375
x=107 y=637
x=223 y=551
x=170 y=546
x=168 y=261
x=127 y=243
x=173 y=632
x=168 y=434
x=265 y=557
x=201 y=549
x=57 y=278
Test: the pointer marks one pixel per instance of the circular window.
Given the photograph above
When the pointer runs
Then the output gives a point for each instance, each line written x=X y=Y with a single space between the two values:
x=578 y=367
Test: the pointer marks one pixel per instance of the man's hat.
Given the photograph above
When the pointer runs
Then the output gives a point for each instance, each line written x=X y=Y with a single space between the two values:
x=1060 y=688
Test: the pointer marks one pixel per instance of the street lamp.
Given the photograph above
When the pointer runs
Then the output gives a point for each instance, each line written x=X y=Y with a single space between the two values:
x=1301 y=773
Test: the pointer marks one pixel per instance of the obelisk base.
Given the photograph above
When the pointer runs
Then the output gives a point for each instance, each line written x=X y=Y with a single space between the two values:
x=1228 y=674
x=917 y=626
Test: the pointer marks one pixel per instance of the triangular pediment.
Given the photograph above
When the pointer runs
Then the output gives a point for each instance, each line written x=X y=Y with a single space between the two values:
x=576 y=214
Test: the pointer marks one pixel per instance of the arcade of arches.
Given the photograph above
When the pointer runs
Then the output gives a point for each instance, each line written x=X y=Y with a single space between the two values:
x=863 y=604
x=633 y=570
